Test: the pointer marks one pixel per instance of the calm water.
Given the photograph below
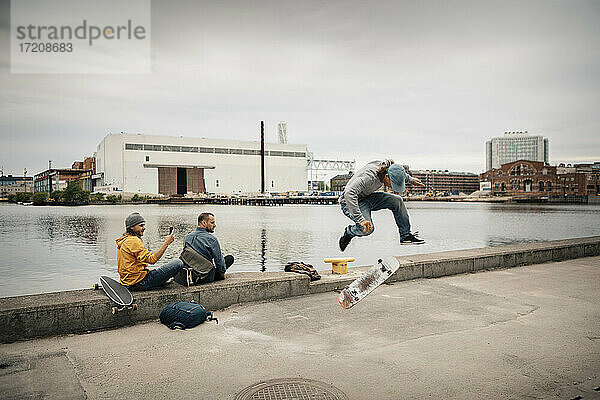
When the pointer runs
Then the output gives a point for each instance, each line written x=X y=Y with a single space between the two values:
x=46 y=249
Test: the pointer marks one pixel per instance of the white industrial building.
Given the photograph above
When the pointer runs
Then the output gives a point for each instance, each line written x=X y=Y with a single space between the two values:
x=515 y=146
x=171 y=165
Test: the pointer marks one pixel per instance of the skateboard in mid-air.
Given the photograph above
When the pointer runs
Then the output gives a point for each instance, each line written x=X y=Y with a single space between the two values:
x=118 y=293
x=364 y=285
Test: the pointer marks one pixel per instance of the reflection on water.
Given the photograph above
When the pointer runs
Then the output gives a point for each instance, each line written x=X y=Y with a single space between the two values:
x=57 y=248
x=263 y=250
x=84 y=228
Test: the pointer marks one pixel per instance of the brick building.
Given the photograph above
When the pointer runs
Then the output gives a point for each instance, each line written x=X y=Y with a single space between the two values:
x=537 y=179
x=435 y=181
x=88 y=169
x=88 y=164
x=444 y=181
x=55 y=179
x=592 y=176
x=338 y=182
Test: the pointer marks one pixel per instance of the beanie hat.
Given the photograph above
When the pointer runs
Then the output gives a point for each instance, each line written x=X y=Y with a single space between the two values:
x=133 y=219
x=397 y=176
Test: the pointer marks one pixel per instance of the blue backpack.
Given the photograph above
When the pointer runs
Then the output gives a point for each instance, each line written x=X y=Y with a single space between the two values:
x=185 y=315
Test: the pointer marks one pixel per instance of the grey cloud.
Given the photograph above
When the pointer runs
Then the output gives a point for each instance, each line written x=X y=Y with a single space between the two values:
x=427 y=82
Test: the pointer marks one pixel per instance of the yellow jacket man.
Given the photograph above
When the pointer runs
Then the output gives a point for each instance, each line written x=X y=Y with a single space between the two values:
x=133 y=258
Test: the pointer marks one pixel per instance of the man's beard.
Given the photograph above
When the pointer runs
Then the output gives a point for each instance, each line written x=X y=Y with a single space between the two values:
x=133 y=233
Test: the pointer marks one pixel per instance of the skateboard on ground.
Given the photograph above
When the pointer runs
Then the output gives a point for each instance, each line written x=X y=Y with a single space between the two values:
x=118 y=293
x=364 y=285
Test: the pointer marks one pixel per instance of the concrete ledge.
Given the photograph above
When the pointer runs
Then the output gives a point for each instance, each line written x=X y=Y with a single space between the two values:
x=74 y=311
x=25 y=317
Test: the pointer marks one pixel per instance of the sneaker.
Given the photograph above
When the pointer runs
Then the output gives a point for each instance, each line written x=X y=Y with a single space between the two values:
x=344 y=241
x=411 y=239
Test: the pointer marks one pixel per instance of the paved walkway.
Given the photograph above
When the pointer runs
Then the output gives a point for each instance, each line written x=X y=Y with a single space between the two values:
x=523 y=333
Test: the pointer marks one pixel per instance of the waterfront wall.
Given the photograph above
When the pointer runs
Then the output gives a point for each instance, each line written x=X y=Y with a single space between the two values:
x=76 y=311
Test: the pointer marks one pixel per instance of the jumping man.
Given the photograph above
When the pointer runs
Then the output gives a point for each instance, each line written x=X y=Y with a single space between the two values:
x=360 y=197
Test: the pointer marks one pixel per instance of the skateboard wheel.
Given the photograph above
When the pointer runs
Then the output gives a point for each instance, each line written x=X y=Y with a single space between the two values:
x=114 y=310
x=344 y=299
x=134 y=306
x=95 y=286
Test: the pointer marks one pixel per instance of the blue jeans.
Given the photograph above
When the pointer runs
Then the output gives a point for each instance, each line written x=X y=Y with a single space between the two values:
x=379 y=201
x=159 y=276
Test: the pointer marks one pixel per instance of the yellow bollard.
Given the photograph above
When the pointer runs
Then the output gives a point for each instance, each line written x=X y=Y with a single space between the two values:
x=339 y=265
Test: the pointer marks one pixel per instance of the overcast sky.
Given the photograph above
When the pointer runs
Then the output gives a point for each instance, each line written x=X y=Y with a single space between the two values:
x=423 y=82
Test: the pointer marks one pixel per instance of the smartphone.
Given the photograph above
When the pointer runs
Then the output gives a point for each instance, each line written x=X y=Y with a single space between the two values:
x=171 y=229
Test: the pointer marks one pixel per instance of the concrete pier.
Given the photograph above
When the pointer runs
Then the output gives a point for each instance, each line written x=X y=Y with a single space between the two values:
x=26 y=317
x=529 y=332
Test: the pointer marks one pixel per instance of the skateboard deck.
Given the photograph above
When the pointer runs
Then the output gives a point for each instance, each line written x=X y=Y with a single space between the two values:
x=118 y=293
x=364 y=285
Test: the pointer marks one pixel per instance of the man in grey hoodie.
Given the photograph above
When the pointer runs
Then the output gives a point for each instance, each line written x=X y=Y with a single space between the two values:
x=360 y=197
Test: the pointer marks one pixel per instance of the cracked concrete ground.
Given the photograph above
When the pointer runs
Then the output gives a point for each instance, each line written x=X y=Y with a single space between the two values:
x=524 y=333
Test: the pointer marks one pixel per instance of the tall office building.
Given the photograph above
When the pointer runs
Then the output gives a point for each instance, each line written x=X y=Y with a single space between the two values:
x=515 y=146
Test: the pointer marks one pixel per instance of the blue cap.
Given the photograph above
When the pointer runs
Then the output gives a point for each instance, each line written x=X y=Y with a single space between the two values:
x=397 y=176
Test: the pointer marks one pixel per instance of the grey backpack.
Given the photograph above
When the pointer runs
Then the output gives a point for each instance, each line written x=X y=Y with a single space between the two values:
x=196 y=267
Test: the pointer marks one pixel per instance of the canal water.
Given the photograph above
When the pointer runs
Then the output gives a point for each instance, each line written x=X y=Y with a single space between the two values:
x=46 y=249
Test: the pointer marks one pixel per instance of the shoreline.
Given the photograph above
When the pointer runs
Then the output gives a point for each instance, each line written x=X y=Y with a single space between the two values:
x=320 y=200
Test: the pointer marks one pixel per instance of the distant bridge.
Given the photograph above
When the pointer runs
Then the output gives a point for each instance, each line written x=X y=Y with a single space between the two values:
x=330 y=165
x=317 y=169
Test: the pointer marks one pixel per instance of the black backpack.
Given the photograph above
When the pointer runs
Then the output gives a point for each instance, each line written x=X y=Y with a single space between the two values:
x=185 y=315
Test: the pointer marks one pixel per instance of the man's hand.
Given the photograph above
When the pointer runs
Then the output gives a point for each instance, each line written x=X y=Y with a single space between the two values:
x=169 y=239
x=367 y=225
x=418 y=182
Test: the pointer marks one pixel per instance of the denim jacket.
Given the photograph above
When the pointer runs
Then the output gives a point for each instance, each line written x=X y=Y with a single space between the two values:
x=207 y=245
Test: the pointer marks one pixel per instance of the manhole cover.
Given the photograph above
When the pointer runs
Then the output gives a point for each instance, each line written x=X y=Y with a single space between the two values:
x=291 y=389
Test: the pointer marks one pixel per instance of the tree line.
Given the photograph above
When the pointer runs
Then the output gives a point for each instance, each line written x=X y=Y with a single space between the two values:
x=73 y=194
